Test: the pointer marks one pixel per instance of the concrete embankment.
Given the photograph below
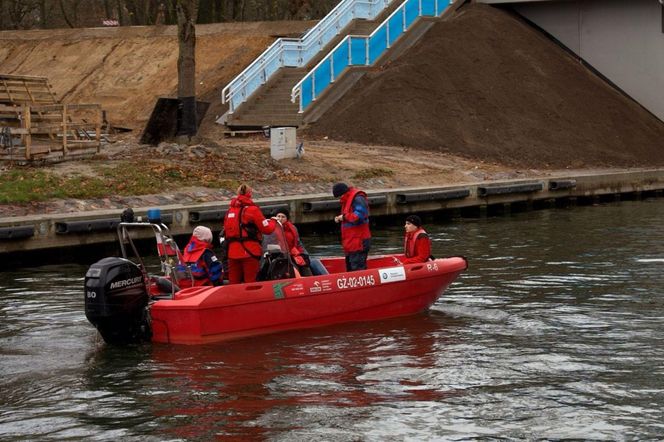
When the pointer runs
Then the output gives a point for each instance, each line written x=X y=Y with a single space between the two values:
x=39 y=238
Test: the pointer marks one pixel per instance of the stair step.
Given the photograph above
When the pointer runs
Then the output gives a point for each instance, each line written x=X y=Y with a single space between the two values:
x=273 y=108
x=278 y=92
x=268 y=117
x=293 y=74
x=281 y=87
x=272 y=102
x=274 y=123
x=269 y=100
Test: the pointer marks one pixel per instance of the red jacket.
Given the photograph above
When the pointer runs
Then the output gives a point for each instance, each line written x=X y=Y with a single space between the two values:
x=355 y=225
x=293 y=239
x=244 y=235
x=417 y=246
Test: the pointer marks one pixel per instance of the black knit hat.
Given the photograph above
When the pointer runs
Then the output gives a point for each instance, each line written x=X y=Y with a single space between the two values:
x=285 y=211
x=414 y=220
x=339 y=189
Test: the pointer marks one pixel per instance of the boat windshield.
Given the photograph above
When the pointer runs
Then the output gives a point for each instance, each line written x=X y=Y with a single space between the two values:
x=275 y=241
x=276 y=261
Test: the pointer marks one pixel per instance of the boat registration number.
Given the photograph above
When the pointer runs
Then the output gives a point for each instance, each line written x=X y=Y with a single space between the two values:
x=351 y=282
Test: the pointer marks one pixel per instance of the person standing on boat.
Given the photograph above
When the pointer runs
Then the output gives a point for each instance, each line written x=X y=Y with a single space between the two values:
x=198 y=256
x=297 y=251
x=244 y=226
x=354 y=220
x=417 y=244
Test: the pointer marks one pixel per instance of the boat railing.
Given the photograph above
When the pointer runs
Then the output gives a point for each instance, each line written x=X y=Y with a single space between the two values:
x=363 y=50
x=167 y=249
x=297 y=52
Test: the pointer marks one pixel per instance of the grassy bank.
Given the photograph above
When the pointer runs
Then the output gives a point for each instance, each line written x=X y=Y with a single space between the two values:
x=23 y=185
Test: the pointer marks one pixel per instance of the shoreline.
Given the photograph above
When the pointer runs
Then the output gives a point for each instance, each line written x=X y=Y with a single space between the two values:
x=201 y=195
x=96 y=229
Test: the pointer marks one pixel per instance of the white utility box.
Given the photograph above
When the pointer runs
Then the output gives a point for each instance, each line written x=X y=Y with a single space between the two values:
x=282 y=143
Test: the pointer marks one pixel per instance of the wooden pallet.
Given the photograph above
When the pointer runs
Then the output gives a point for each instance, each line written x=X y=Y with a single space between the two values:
x=51 y=130
x=17 y=90
x=40 y=126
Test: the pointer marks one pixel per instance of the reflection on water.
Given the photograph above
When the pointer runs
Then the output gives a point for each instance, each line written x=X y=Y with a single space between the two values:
x=555 y=331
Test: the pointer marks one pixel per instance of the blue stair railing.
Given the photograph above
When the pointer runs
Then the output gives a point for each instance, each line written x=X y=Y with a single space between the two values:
x=297 y=52
x=363 y=50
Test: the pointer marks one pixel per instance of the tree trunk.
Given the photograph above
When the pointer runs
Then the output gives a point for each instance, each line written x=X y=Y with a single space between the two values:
x=187 y=10
x=63 y=9
x=121 y=17
x=107 y=10
x=42 y=14
x=219 y=11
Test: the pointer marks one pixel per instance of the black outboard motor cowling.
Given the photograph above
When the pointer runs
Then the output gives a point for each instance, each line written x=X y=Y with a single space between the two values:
x=116 y=298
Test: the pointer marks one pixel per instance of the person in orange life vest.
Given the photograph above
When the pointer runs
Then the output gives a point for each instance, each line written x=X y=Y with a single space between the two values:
x=354 y=219
x=201 y=260
x=244 y=225
x=297 y=251
x=417 y=244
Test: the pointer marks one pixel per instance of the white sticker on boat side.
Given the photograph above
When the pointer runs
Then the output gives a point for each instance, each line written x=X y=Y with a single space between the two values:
x=392 y=274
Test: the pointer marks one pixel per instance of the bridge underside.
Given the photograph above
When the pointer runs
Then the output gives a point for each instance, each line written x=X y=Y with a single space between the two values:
x=623 y=41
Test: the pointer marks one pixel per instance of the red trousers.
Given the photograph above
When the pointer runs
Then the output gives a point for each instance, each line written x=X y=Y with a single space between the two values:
x=242 y=270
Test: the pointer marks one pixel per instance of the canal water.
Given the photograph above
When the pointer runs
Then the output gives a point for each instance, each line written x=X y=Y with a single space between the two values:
x=555 y=331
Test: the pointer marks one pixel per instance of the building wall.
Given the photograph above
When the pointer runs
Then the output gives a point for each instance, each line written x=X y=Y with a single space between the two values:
x=621 y=39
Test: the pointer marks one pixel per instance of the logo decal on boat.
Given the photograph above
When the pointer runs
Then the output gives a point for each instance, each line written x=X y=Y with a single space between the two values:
x=324 y=285
x=278 y=289
x=392 y=274
x=125 y=283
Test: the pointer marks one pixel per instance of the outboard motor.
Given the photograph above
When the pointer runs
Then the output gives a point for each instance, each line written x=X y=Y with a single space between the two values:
x=116 y=299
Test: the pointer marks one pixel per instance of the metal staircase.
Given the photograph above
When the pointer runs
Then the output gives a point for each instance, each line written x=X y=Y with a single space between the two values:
x=271 y=104
x=289 y=78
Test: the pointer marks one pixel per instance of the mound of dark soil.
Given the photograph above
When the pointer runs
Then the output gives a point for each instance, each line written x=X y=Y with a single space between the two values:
x=488 y=86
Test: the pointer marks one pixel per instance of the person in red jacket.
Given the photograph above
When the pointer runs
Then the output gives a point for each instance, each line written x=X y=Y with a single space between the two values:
x=354 y=219
x=244 y=226
x=297 y=251
x=198 y=256
x=417 y=244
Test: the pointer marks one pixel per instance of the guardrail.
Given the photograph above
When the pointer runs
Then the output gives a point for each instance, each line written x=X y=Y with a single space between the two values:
x=297 y=52
x=363 y=50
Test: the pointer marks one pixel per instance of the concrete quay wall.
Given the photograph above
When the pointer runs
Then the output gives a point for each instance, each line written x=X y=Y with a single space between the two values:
x=49 y=232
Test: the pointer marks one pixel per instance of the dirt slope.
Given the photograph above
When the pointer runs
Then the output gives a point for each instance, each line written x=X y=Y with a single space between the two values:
x=126 y=69
x=487 y=86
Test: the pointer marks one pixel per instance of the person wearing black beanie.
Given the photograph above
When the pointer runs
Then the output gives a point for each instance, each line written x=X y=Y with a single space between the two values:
x=339 y=189
x=354 y=220
x=414 y=220
x=417 y=244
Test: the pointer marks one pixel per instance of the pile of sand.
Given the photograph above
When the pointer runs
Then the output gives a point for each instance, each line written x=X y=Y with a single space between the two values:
x=485 y=85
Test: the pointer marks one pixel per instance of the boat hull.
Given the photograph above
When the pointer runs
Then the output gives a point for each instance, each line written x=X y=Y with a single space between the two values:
x=213 y=314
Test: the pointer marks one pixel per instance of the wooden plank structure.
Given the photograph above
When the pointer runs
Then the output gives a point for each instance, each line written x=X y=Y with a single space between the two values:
x=35 y=126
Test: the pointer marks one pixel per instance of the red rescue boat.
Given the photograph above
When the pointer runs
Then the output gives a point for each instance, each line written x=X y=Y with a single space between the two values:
x=384 y=290
x=118 y=304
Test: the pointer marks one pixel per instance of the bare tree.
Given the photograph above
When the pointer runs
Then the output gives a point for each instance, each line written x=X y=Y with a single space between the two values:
x=69 y=9
x=26 y=14
x=187 y=11
x=21 y=14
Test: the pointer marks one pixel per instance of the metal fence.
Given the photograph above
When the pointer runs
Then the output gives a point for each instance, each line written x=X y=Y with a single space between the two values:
x=361 y=50
x=297 y=52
